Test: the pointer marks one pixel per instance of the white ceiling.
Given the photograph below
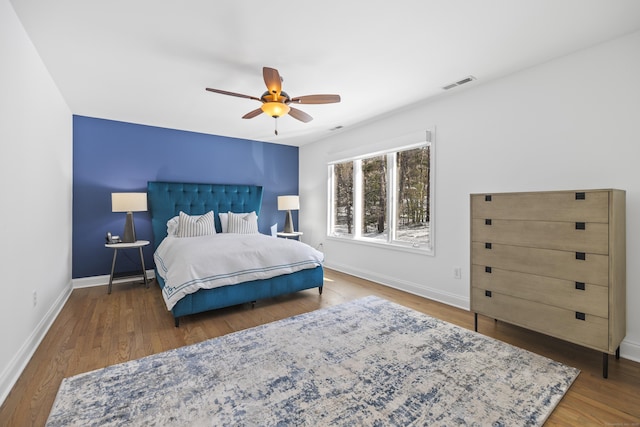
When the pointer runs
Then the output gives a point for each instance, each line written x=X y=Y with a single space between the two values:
x=149 y=61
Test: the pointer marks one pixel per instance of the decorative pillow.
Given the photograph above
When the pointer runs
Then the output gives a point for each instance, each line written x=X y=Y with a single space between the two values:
x=224 y=220
x=243 y=223
x=195 y=225
x=172 y=226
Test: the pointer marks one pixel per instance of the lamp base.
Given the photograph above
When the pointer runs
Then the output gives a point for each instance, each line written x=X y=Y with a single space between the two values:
x=129 y=235
x=288 y=223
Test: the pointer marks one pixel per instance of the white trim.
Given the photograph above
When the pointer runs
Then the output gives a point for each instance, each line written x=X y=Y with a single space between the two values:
x=390 y=156
x=630 y=350
x=372 y=149
x=16 y=367
x=402 y=285
x=332 y=202
x=383 y=244
x=88 y=282
x=357 y=198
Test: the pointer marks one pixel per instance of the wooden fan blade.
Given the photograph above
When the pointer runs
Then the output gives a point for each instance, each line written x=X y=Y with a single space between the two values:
x=239 y=95
x=272 y=80
x=252 y=114
x=316 y=99
x=300 y=115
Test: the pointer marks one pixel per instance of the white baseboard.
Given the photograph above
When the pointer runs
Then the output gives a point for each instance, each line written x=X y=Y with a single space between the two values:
x=412 y=288
x=12 y=372
x=87 y=282
x=628 y=349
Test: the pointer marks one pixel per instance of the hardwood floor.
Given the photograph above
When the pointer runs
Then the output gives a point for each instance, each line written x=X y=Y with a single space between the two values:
x=95 y=330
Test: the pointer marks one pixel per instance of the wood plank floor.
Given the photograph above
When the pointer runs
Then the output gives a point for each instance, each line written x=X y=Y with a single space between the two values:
x=95 y=330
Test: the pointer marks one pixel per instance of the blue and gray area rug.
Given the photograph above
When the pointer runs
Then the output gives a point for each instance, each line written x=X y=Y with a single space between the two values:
x=368 y=362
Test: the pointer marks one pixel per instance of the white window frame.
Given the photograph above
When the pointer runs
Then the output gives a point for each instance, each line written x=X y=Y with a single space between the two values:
x=427 y=248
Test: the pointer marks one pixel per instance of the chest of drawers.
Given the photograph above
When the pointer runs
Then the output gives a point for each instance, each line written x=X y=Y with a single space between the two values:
x=553 y=262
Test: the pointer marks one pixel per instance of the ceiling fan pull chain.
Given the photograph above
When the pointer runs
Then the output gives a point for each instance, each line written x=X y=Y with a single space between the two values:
x=276 y=130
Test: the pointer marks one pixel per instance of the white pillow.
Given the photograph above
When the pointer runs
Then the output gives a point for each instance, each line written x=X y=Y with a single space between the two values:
x=224 y=220
x=196 y=225
x=172 y=226
x=243 y=223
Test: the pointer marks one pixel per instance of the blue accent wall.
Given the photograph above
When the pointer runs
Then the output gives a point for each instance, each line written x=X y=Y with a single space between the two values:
x=111 y=156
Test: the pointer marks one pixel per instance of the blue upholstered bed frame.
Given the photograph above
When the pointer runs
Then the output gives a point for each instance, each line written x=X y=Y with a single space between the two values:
x=167 y=199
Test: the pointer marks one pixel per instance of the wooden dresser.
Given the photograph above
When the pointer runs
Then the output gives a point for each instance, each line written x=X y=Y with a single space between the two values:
x=553 y=262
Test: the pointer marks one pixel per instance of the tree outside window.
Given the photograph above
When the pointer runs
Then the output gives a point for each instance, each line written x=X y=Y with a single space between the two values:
x=343 y=198
x=413 y=208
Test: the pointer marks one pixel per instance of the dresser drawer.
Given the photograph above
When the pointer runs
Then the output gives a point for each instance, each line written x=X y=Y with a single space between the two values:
x=550 y=320
x=568 y=236
x=592 y=299
x=554 y=206
x=543 y=262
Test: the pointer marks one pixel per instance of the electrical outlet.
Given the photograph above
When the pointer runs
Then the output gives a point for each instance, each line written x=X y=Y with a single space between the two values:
x=457 y=273
x=35 y=298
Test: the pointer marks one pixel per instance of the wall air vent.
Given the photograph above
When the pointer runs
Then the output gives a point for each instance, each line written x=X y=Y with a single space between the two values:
x=459 y=83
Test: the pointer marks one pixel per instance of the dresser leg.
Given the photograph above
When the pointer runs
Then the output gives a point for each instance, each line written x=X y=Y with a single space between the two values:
x=475 y=315
x=605 y=365
x=618 y=352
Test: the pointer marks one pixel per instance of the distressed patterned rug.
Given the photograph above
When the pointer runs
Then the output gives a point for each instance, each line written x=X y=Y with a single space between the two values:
x=366 y=362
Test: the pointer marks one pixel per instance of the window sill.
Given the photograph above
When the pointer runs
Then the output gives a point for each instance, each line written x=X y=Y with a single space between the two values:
x=384 y=245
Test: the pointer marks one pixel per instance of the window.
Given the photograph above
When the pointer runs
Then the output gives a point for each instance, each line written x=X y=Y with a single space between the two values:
x=343 y=199
x=384 y=197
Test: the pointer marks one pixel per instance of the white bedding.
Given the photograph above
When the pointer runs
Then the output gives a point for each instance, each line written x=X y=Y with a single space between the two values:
x=190 y=263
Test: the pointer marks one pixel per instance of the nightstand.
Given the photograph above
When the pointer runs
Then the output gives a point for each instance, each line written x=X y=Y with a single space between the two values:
x=295 y=235
x=139 y=244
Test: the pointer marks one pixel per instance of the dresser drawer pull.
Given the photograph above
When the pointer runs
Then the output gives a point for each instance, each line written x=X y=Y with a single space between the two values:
x=580 y=286
x=487 y=198
x=487 y=294
x=487 y=269
x=581 y=256
x=487 y=245
x=580 y=316
x=581 y=196
x=581 y=226
x=487 y=222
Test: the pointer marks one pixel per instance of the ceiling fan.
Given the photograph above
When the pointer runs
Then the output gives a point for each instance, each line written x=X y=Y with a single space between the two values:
x=275 y=102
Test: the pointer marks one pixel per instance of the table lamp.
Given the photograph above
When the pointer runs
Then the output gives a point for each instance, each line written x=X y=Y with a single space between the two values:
x=288 y=203
x=129 y=203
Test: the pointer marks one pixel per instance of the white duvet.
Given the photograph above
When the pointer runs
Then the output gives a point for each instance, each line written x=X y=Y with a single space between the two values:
x=190 y=263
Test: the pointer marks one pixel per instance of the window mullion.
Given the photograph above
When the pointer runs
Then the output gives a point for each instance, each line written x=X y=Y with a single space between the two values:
x=392 y=183
x=357 y=198
x=331 y=216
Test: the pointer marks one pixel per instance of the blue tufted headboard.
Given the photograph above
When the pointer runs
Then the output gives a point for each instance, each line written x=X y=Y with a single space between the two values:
x=167 y=199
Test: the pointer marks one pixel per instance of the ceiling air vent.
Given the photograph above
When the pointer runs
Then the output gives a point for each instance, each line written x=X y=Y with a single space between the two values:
x=459 y=83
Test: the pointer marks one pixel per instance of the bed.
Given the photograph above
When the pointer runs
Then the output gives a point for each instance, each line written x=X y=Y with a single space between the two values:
x=167 y=199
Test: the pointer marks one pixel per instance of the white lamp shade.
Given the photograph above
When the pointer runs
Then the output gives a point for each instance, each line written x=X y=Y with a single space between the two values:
x=286 y=203
x=128 y=202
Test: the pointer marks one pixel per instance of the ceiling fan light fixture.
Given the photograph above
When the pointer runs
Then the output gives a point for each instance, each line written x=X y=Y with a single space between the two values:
x=275 y=109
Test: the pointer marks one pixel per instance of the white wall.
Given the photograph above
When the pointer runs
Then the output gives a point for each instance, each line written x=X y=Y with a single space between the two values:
x=572 y=123
x=35 y=171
